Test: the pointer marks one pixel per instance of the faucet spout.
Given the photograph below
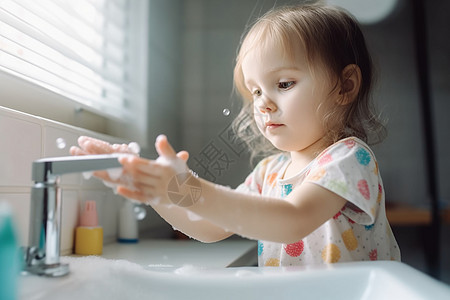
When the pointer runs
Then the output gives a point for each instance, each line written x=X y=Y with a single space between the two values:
x=47 y=168
x=42 y=256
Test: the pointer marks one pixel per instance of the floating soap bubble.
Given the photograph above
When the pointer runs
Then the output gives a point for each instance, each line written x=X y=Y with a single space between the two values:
x=139 y=212
x=226 y=112
x=60 y=143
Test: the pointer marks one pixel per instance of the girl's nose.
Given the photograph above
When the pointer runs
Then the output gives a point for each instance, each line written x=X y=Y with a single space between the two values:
x=266 y=105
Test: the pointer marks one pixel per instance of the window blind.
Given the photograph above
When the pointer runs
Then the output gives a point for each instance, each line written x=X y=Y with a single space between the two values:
x=79 y=49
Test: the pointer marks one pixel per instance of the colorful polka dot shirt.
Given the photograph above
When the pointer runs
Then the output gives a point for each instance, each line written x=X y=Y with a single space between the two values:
x=359 y=231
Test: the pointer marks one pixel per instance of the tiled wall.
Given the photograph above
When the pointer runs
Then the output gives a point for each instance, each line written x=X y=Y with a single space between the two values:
x=25 y=138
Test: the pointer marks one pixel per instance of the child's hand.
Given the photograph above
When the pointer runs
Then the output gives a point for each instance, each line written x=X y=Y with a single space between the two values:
x=91 y=146
x=151 y=178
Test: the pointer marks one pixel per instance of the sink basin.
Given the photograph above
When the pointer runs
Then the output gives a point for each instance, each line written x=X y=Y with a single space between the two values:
x=100 y=278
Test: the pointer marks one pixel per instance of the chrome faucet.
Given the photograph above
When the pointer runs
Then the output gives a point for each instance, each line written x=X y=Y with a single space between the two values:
x=42 y=254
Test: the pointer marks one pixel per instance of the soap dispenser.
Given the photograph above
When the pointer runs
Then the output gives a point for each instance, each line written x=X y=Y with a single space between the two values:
x=128 y=223
x=89 y=236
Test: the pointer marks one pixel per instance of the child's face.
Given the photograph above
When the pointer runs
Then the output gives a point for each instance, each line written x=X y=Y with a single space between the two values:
x=287 y=97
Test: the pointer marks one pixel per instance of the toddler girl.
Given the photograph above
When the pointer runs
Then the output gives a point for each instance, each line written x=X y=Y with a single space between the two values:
x=305 y=75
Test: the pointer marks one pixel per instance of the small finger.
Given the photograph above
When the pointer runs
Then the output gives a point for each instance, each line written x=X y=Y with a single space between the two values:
x=141 y=180
x=121 y=148
x=94 y=146
x=146 y=190
x=135 y=165
x=77 y=151
x=163 y=147
x=184 y=155
x=133 y=194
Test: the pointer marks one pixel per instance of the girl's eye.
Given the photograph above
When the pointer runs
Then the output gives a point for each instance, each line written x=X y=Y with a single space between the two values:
x=285 y=85
x=257 y=93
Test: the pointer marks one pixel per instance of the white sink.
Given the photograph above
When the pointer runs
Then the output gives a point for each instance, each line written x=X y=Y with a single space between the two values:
x=100 y=278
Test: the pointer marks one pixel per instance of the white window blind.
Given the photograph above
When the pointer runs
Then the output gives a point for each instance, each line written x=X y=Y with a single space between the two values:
x=79 y=49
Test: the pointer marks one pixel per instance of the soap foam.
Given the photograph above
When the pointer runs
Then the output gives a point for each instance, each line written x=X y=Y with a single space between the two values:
x=87 y=175
x=114 y=173
x=111 y=185
x=222 y=187
x=159 y=266
x=177 y=164
x=154 y=201
x=100 y=278
x=187 y=270
x=244 y=273
x=193 y=216
x=134 y=147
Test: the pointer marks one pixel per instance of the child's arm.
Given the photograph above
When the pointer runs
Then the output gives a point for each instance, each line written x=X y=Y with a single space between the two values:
x=280 y=220
x=200 y=229
x=178 y=217
x=285 y=220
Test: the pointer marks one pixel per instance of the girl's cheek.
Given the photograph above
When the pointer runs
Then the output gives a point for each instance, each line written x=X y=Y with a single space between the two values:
x=259 y=119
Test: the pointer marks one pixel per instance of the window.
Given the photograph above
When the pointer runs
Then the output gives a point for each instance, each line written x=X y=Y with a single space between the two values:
x=89 y=51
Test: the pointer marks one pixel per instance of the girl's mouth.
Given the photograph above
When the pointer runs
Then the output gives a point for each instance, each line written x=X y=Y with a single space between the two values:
x=272 y=125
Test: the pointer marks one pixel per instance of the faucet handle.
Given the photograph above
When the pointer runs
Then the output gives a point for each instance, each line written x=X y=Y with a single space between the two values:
x=34 y=263
x=32 y=255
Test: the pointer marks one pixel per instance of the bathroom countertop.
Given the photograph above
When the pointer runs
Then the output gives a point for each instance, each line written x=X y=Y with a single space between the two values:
x=177 y=253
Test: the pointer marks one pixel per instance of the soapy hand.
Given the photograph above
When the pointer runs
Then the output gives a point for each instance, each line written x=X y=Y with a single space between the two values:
x=150 y=178
x=91 y=146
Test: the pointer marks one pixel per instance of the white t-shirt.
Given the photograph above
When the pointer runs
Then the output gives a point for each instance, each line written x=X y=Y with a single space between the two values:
x=360 y=231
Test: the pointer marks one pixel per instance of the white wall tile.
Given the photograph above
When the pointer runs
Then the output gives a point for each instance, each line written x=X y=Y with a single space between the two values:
x=25 y=138
x=20 y=142
x=50 y=136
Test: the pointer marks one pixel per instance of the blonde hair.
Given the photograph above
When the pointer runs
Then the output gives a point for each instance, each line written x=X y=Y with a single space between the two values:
x=333 y=40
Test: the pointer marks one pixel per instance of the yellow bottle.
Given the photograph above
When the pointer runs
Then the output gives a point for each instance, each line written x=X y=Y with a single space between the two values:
x=89 y=236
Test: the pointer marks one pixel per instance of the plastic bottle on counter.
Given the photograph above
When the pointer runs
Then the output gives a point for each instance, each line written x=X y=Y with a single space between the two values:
x=128 y=223
x=89 y=236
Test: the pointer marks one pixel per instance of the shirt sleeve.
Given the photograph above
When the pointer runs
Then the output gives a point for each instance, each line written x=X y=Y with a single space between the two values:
x=349 y=169
x=254 y=181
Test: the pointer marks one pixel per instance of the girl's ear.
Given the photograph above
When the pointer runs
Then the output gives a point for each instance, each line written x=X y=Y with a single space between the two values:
x=349 y=84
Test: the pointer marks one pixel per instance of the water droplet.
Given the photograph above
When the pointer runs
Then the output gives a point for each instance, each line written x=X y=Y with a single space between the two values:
x=60 y=143
x=226 y=112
